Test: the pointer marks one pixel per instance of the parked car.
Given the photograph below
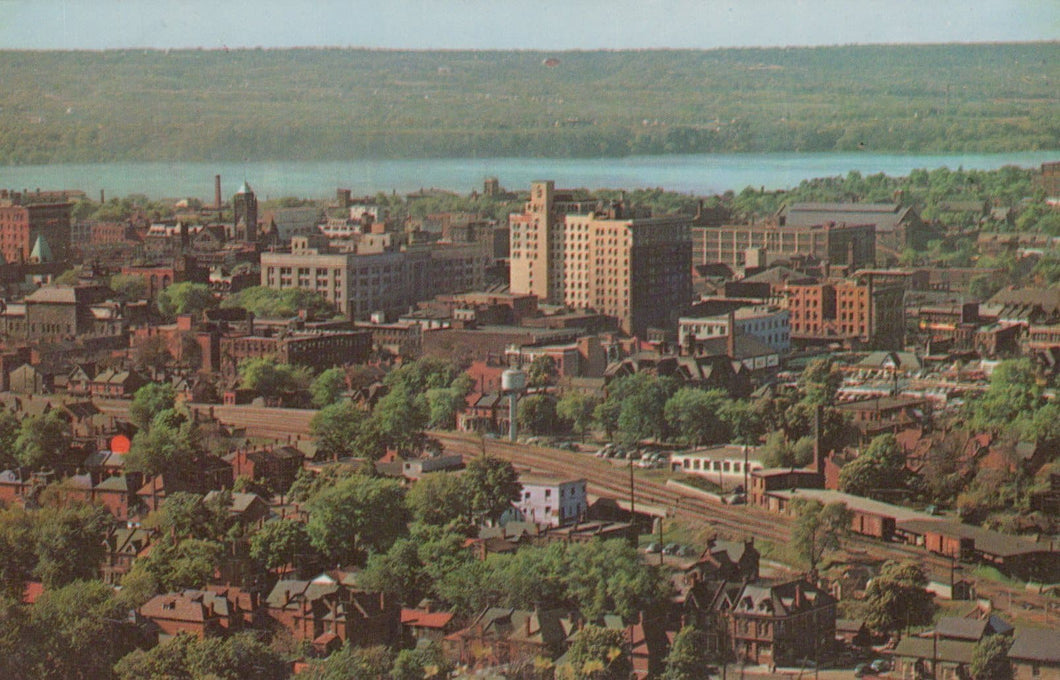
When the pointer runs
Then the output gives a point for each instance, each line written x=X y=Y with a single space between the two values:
x=671 y=549
x=880 y=666
x=861 y=670
x=653 y=548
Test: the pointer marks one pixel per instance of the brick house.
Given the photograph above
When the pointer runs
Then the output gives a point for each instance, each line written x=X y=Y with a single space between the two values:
x=773 y=624
x=329 y=608
x=275 y=467
x=500 y=636
x=192 y=612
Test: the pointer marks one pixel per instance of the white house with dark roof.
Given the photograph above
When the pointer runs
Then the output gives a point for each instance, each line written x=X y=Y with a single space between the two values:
x=550 y=500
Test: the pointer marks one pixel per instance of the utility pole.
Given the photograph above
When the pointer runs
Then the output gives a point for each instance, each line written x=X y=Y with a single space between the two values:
x=632 y=508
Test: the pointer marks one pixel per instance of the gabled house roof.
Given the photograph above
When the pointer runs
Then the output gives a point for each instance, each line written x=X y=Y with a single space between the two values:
x=1036 y=645
x=189 y=605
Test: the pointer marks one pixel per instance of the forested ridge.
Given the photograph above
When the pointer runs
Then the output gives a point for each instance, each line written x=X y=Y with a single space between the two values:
x=336 y=104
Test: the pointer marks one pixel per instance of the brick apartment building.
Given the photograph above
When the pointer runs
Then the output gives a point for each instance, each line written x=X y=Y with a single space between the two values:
x=854 y=312
x=316 y=349
x=23 y=220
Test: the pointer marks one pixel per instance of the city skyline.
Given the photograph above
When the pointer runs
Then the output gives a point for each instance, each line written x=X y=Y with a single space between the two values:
x=546 y=25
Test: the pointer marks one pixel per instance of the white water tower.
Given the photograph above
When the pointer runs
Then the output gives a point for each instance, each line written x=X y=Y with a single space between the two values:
x=513 y=383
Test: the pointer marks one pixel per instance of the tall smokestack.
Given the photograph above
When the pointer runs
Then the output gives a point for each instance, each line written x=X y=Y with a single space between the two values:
x=217 y=192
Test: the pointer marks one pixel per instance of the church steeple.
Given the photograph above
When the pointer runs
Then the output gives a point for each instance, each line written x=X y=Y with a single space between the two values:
x=245 y=207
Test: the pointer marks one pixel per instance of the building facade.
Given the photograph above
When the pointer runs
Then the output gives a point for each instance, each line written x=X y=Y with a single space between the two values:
x=23 y=222
x=838 y=244
x=638 y=270
x=770 y=325
x=551 y=500
x=854 y=312
x=389 y=282
x=537 y=241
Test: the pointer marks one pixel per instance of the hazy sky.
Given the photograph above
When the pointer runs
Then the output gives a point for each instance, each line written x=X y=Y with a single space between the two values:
x=526 y=24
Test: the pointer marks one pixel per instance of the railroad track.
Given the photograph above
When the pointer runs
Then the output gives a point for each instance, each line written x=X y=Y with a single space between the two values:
x=605 y=479
x=732 y=521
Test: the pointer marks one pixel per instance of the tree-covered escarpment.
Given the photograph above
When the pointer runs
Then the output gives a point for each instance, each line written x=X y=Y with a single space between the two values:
x=321 y=104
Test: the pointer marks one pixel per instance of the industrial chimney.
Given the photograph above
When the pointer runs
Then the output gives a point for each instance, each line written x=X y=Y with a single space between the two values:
x=217 y=192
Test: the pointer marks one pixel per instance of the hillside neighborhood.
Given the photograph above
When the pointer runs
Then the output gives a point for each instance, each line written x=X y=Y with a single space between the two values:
x=534 y=432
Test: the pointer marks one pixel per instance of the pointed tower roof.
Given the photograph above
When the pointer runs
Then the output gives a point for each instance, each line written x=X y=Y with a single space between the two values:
x=41 y=252
x=245 y=189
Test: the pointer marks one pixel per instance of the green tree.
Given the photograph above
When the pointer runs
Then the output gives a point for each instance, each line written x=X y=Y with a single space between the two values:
x=575 y=409
x=175 y=564
x=188 y=515
x=820 y=382
x=370 y=663
x=10 y=428
x=43 y=441
x=818 y=529
x=990 y=658
x=18 y=556
x=425 y=661
x=400 y=417
x=694 y=416
x=439 y=498
x=537 y=413
x=542 y=371
x=744 y=421
x=1014 y=391
x=880 y=466
x=443 y=405
x=356 y=515
x=635 y=407
x=184 y=656
x=68 y=542
x=492 y=486
x=689 y=655
x=149 y=401
x=778 y=452
x=269 y=303
x=185 y=298
x=128 y=287
x=596 y=653
x=280 y=542
x=897 y=598
x=169 y=446
x=78 y=631
x=264 y=376
x=328 y=387
x=344 y=430
x=416 y=377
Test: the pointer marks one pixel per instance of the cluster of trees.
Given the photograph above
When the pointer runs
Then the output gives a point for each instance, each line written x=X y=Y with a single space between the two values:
x=37 y=442
x=270 y=303
x=319 y=104
x=427 y=393
x=644 y=406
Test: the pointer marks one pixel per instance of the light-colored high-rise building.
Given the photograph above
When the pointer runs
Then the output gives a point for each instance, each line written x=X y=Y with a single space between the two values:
x=537 y=242
x=637 y=270
x=577 y=253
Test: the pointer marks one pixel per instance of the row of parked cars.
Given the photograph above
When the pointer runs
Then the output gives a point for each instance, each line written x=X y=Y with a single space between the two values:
x=674 y=549
x=645 y=457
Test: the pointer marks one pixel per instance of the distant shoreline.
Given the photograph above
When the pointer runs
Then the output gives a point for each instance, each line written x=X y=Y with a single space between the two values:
x=702 y=174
